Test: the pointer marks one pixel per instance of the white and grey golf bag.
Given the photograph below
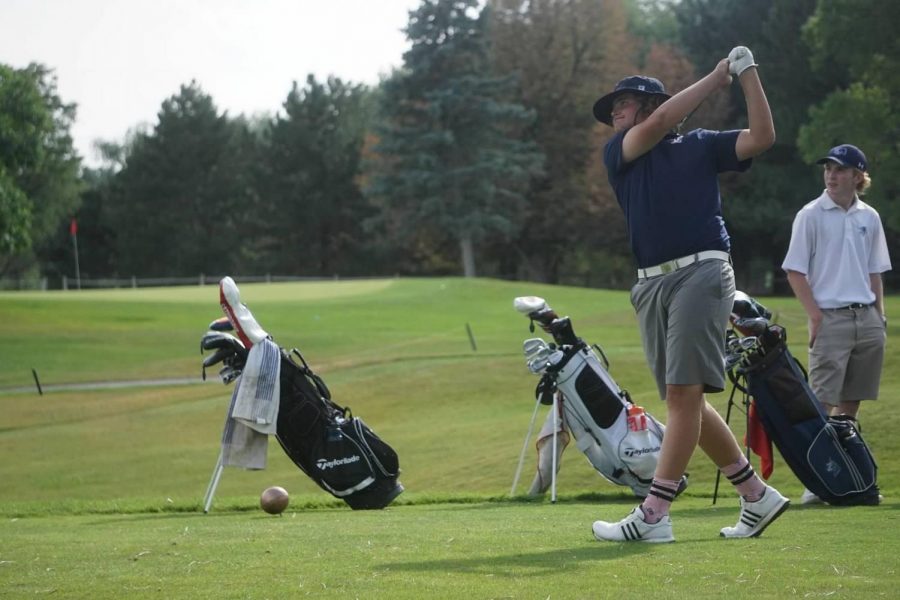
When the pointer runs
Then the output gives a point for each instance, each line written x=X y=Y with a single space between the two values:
x=620 y=440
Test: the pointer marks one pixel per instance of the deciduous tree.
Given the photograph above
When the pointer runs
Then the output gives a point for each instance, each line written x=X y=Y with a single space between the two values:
x=856 y=40
x=566 y=53
x=39 y=185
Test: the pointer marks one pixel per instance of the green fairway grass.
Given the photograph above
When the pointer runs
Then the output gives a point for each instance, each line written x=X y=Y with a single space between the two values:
x=101 y=487
x=480 y=550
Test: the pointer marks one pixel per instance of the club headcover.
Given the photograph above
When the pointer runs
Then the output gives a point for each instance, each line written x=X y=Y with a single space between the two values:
x=751 y=326
x=233 y=364
x=218 y=339
x=529 y=304
x=228 y=350
x=218 y=356
x=536 y=309
x=221 y=324
x=238 y=314
x=746 y=307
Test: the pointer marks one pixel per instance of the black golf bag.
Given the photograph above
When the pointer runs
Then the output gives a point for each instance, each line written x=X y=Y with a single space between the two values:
x=620 y=440
x=335 y=449
x=827 y=454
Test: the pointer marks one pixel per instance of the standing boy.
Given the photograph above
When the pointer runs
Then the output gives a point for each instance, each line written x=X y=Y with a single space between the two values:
x=834 y=264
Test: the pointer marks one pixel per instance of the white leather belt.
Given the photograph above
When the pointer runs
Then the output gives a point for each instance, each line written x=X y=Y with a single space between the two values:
x=680 y=263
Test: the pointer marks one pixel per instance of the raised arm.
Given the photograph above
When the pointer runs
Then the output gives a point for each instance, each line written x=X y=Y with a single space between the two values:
x=646 y=134
x=760 y=135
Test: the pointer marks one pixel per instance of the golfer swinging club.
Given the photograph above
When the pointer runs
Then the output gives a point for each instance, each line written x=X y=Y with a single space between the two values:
x=667 y=186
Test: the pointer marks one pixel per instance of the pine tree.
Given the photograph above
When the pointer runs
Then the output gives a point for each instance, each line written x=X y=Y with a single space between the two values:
x=312 y=207
x=177 y=202
x=452 y=163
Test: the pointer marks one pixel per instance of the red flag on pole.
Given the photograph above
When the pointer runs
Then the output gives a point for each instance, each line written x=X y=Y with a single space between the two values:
x=73 y=227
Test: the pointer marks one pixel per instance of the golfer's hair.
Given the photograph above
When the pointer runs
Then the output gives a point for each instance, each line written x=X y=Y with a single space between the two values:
x=649 y=104
x=863 y=185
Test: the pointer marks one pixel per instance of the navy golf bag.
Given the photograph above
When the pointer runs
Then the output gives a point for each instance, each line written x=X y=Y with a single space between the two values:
x=620 y=440
x=278 y=393
x=827 y=454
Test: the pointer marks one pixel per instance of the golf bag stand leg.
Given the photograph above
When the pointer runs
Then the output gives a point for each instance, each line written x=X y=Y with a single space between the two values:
x=553 y=465
x=515 y=482
x=213 y=484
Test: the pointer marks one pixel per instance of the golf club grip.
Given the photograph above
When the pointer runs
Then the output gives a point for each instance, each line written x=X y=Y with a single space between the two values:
x=545 y=317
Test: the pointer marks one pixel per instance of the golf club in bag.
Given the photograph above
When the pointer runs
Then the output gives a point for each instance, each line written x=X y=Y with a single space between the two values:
x=620 y=440
x=277 y=393
x=827 y=454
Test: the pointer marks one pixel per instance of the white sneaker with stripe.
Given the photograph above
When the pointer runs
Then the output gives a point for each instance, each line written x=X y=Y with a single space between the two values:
x=756 y=516
x=633 y=529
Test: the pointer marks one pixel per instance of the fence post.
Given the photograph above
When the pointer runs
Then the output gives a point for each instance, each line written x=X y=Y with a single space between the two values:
x=65 y=283
x=134 y=282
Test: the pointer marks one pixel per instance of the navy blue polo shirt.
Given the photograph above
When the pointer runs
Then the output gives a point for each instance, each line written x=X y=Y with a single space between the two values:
x=670 y=195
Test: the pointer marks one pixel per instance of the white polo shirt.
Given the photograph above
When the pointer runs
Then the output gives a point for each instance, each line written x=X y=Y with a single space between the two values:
x=837 y=250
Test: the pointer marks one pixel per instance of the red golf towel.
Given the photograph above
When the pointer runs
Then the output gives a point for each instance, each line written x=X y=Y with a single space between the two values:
x=759 y=442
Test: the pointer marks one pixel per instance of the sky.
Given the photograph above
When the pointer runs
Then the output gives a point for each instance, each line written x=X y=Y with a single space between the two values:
x=118 y=60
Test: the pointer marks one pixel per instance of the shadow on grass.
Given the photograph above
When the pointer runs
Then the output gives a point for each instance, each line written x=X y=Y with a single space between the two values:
x=533 y=564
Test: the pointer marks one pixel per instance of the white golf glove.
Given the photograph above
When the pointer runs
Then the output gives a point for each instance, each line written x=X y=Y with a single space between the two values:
x=739 y=60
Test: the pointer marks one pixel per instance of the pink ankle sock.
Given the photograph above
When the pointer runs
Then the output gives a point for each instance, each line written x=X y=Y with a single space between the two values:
x=744 y=479
x=659 y=499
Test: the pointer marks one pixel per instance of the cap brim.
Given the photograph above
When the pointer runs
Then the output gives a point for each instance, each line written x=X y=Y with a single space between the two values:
x=603 y=106
x=826 y=159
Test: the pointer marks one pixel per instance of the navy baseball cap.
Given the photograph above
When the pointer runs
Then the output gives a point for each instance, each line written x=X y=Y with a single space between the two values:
x=846 y=155
x=636 y=84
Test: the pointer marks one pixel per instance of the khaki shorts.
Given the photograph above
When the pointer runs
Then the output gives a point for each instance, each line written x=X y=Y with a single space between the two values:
x=846 y=358
x=683 y=316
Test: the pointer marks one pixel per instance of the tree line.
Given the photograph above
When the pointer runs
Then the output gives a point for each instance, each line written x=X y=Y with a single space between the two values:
x=478 y=156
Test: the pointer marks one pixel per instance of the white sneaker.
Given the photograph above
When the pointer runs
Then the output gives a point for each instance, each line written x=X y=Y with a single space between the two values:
x=633 y=529
x=810 y=498
x=756 y=516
